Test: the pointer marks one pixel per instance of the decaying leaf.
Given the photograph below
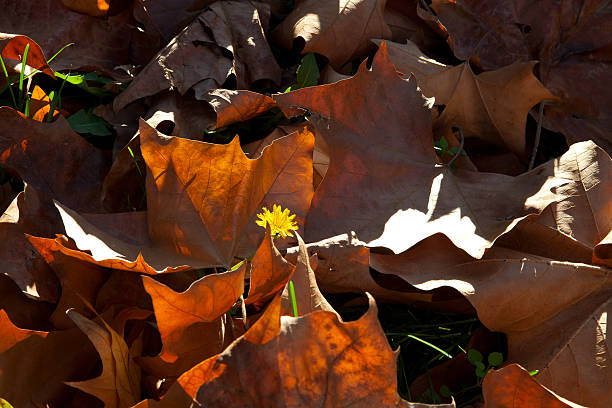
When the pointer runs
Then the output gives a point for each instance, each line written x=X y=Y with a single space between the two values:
x=383 y=180
x=237 y=106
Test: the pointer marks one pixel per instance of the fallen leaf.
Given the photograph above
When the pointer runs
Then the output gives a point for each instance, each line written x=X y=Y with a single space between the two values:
x=383 y=179
x=99 y=43
x=237 y=106
x=40 y=105
x=339 y=30
x=190 y=323
x=36 y=364
x=512 y=386
x=119 y=384
x=342 y=364
x=269 y=273
x=13 y=46
x=94 y=8
x=487 y=106
x=181 y=233
x=571 y=45
x=72 y=175
x=29 y=213
x=207 y=39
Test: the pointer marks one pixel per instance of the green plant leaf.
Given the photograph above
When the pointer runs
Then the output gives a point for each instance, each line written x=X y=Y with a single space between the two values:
x=495 y=359
x=445 y=391
x=308 y=72
x=82 y=81
x=474 y=357
x=87 y=122
x=481 y=370
x=534 y=372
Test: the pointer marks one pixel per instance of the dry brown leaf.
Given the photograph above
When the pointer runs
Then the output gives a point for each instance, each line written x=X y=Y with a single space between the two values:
x=34 y=365
x=94 y=8
x=512 y=386
x=190 y=323
x=119 y=384
x=182 y=232
x=228 y=26
x=571 y=44
x=572 y=228
x=492 y=105
x=29 y=213
x=54 y=159
x=40 y=105
x=269 y=273
x=100 y=43
x=307 y=294
x=314 y=360
x=237 y=106
x=79 y=280
x=383 y=179
x=339 y=30
x=563 y=336
x=13 y=46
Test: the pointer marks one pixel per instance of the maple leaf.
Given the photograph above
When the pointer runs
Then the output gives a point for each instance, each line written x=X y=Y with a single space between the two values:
x=199 y=215
x=383 y=180
x=571 y=45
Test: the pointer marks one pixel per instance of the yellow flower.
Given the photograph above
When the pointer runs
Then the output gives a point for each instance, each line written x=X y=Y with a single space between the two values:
x=280 y=221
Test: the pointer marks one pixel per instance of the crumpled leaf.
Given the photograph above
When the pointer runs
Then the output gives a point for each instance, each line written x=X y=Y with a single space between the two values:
x=179 y=231
x=228 y=26
x=512 y=386
x=119 y=384
x=54 y=159
x=190 y=323
x=339 y=30
x=383 y=179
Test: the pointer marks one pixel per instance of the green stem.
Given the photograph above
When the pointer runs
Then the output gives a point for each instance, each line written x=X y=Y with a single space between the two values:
x=21 y=74
x=293 y=301
x=8 y=82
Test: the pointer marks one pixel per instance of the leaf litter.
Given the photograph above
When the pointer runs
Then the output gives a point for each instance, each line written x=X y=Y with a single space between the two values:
x=142 y=144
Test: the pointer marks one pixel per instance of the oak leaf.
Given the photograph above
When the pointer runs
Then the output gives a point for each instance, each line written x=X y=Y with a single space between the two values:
x=383 y=179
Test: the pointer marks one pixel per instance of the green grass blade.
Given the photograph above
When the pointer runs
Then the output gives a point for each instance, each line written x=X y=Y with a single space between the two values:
x=21 y=74
x=293 y=301
x=57 y=53
x=430 y=345
x=8 y=82
x=55 y=101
